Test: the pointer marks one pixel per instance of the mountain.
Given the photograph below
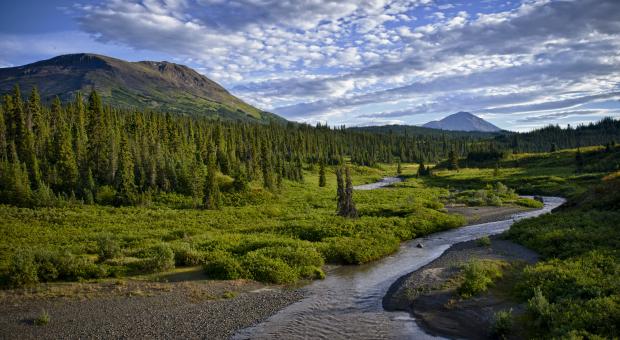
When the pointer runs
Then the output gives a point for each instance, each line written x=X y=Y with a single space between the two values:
x=462 y=121
x=161 y=86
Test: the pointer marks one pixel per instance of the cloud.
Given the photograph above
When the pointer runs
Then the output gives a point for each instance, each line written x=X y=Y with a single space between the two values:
x=349 y=61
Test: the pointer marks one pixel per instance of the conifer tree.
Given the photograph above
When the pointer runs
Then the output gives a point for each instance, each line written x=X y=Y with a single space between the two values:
x=421 y=169
x=340 y=192
x=24 y=139
x=322 y=179
x=399 y=169
x=579 y=160
x=350 y=210
x=453 y=161
x=125 y=176
x=266 y=167
x=212 y=198
x=64 y=157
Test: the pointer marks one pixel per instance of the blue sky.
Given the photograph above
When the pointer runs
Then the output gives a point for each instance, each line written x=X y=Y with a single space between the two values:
x=519 y=64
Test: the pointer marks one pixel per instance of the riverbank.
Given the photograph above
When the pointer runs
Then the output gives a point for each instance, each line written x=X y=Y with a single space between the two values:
x=429 y=293
x=139 y=309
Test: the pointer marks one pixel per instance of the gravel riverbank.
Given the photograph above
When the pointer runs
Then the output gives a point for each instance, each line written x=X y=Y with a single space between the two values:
x=428 y=296
x=133 y=309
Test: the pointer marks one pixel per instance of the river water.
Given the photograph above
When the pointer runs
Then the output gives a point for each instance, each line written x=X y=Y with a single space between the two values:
x=348 y=303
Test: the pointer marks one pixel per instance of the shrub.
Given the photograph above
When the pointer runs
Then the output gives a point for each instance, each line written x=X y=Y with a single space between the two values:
x=108 y=247
x=539 y=309
x=501 y=324
x=22 y=269
x=484 y=241
x=43 y=319
x=106 y=195
x=162 y=258
x=185 y=255
x=529 y=203
x=222 y=265
x=478 y=275
x=265 y=269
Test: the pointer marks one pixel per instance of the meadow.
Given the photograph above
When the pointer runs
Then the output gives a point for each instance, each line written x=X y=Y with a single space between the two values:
x=279 y=237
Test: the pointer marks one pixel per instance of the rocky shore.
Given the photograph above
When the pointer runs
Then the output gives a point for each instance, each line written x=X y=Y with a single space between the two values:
x=428 y=295
x=135 y=309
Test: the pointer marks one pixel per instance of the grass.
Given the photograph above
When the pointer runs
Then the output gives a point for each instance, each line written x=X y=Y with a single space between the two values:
x=294 y=230
x=43 y=318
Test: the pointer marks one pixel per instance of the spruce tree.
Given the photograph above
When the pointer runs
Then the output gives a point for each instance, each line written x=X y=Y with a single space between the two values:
x=64 y=157
x=340 y=192
x=421 y=169
x=212 y=198
x=579 y=161
x=266 y=167
x=125 y=176
x=350 y=210
x=322 y=179
x=453 y=161
x=399 y=169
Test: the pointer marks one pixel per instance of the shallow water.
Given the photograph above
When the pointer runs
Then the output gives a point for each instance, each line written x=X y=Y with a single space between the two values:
x=348 y=303
x=376 y=185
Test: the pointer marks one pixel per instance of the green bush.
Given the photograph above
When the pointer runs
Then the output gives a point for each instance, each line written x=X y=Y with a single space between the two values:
x=186 y=255
x=223 y=266
x=106 y=195
x=43 y=318
x=30 y=267
x=478 y=275
x=501 y=324
x=22 y=269
x=529 y=203
x=484 y=241
x=265 y=269
x=108 y=247
x=162 y=258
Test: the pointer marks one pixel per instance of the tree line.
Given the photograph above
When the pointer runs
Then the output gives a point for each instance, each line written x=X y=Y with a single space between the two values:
x=88 y=151
x=91 y=152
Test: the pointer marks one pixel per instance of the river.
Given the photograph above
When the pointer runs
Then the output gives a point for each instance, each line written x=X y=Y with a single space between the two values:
x=347 y=304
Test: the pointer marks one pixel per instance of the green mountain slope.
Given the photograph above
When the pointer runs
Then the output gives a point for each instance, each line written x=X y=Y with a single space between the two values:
x=153 y=85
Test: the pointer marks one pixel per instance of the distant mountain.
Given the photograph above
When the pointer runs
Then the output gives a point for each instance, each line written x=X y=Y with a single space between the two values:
x=412 y=130
x=462 y=121
x=161 y=86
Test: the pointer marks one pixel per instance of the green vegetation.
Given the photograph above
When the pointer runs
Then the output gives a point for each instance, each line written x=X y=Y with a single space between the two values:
x=477 y=275
x=43 y=319
x=281 y=236
x=492 y=195
x=575 y=291
x=484 y=241
x=501 y=324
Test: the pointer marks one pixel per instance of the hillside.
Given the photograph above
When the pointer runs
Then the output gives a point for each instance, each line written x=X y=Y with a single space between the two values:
x=462 y=121
x=162 y=86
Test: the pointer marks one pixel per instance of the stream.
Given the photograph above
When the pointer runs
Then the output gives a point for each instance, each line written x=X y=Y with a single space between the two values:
x=347 y=304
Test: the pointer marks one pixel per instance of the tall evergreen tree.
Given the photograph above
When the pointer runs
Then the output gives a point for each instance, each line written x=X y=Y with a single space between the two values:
x=125 y=176
x=322 y=179
x=212 y=198
x=340 y=192
x=66 y=166
x=453 y=161
x=266 y=167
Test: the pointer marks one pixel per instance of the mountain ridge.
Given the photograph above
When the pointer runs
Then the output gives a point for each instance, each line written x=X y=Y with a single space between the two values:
x=155 y=85
x=462 y=121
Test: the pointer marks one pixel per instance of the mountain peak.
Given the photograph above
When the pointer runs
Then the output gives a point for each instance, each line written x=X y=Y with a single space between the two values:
x=462 y=121
x=157 y=85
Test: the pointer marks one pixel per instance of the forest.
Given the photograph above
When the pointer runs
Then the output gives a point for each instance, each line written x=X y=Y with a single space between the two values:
x=85 y=151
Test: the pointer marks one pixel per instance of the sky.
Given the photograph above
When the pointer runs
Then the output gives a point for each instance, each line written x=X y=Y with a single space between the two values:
x=518 y=64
